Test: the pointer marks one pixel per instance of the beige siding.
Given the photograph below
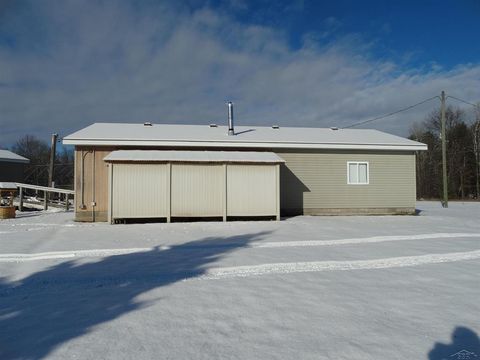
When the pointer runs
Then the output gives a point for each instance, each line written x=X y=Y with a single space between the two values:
x=251 y=190
x=94 y=192
x=312 y=182
x=139 y=191
x=197 y=190
x=318 y=180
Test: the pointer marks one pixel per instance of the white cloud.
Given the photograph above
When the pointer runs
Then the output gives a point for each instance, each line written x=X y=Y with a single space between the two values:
x=85 y=62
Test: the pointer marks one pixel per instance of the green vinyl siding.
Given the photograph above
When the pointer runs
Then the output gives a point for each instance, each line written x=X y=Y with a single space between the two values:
x=318 y=180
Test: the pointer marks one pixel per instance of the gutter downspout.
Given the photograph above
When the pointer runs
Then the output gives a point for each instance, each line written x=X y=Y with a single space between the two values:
x=93 y=187
x=82 y=178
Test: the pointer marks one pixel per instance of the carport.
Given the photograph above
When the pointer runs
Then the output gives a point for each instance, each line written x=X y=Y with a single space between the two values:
x=190 y=184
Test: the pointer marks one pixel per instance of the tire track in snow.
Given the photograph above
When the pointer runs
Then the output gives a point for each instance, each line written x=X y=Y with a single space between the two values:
x=374 y=239
x=70 y=254
x=318 y=266
x=14 y=224
x=110 y=252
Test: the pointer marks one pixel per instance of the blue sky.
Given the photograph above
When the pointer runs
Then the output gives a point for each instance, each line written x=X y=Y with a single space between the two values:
x=422 y=32
x=65 y=64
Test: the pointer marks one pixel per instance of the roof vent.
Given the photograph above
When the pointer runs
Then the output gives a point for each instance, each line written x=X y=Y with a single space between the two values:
x=147 y=124
x=213 y=125
x=334 y=128
x=231 y=130
x=275 y=127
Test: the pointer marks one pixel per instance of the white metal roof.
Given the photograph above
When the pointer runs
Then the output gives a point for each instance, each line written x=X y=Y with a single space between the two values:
x=118 y=134
x=8 y=156
x=193 y=156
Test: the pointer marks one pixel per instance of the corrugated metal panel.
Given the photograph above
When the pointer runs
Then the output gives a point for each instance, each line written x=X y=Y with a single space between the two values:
x=139 y=191
x=318 y=180
x=251 y=190
x=197 y=190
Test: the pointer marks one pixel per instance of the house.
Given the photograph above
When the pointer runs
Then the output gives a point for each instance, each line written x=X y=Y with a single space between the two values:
x=173 y=171
x=12 y=166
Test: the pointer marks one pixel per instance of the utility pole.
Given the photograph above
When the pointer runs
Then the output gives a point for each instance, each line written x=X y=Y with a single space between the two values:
x=444 y=152
x=53 y=150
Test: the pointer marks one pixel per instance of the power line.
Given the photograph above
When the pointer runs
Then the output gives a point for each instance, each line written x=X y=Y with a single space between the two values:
x=463 y=101
x=392 y=113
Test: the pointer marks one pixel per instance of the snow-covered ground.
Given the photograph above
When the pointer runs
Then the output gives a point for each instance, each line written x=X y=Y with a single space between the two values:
x=370 y=287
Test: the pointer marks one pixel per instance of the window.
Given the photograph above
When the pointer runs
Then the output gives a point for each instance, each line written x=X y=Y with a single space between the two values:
x=357 y=173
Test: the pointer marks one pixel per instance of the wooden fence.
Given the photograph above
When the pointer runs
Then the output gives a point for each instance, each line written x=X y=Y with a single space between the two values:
x=46 y=191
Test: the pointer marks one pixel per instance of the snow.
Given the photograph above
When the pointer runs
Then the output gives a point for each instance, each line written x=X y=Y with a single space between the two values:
x=8 y=185
x=196 y=156
x=347 y=287
x=245 y=136
x=8 y=156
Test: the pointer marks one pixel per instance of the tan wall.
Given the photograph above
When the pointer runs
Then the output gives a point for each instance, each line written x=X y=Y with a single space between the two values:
x=97 y=193
x=316 y=181
x=312 y=182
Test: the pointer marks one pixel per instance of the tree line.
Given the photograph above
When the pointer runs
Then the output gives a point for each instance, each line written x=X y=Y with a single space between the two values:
x=38 y=152
x=463 y=155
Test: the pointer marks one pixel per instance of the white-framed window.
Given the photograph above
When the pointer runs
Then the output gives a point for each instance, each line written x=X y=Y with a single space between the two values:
x=358 y=173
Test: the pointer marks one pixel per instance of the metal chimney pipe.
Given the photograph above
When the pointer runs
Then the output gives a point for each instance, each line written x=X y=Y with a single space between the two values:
x=231 y=130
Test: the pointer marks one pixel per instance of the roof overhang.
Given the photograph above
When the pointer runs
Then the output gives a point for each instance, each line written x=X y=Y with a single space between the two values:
x=239 y=144
x=169 y=156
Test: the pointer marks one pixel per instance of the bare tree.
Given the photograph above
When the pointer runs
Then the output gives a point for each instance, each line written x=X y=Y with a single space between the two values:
x=34 y=149
x=38 y=152
x=463 y=142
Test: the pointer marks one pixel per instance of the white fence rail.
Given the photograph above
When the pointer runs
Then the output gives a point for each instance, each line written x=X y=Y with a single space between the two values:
x=46 y=191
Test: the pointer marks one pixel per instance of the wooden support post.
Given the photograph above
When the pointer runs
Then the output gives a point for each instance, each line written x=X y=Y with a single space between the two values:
x=225 y=192
x=53 y=150
x=67 y=205
x=110 y=194
x=45 y=200
x=278 y=190
x=444 y=152
x=168 y=196
x=20 y=205
x=51 y=165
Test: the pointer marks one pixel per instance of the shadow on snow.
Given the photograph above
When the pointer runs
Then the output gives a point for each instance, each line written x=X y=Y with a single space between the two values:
x=50 y=307
x=465 y=345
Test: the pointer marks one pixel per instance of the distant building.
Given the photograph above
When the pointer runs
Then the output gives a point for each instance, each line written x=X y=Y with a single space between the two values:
x=12 y=166
x=168 y=171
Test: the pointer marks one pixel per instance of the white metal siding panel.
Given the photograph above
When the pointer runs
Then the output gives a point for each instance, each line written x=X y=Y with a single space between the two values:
x=197 y=190
x=251 y=190
x=139 y=191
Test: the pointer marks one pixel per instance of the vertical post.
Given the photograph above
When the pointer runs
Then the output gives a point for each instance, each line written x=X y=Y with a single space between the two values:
x=444 y=152
x=94 y=203
x=20 y=205
x=53 y=150
x=45 y=200
x=277 y=181
x=225 y=192
x=110 y=193
x=169 y=192
x=66 y=202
